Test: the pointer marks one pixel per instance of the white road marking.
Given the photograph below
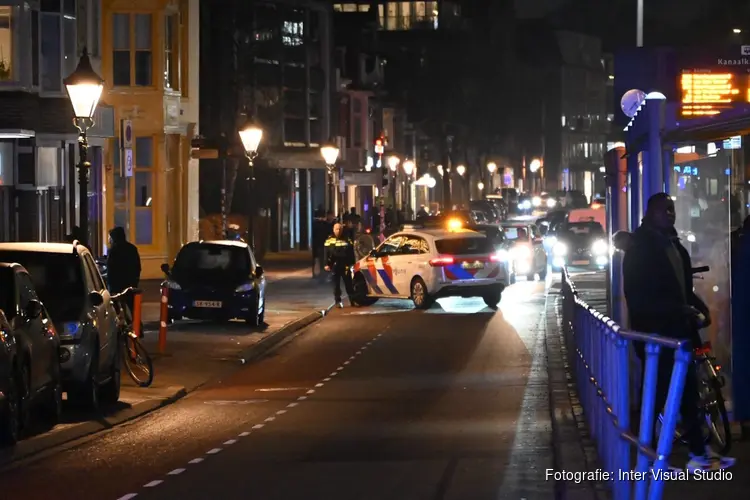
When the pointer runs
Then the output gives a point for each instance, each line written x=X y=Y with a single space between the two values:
x=347 y=362
x=333 y=374
x=175 y=472
x=244 y=434
x=311 y=391
x=128 y=496
x=292 y=405
x=270 y=419
x=327 y=379
x=278 y=389
x=301 y=398
x=258 y=426
x=339 y=368
x=230 y=441
x=280 y=412
x=319 y=385
x=359 y=352
x=213 y=451
x=196 y=461
x=153 y=483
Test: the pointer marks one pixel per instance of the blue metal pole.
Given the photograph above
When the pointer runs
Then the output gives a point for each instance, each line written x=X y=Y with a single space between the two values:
x=634 y=189
x=683 y=357
x=648 y=401
x=655 y=109
x=667 y=164
x=622 y=488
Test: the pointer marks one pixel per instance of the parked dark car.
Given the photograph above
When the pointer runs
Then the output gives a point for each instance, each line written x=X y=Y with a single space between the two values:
x=216 y=280
x=580 y=244
x=30 y=379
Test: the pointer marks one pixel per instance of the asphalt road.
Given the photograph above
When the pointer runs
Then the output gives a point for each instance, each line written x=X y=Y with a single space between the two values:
x=377 y=403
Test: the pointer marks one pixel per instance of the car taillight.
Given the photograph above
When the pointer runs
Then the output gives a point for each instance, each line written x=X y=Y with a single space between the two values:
x=441 y=261
x=496 y=258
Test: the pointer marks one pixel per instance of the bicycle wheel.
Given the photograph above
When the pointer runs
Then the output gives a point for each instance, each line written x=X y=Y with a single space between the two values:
x=137 y=361
x=717 y=419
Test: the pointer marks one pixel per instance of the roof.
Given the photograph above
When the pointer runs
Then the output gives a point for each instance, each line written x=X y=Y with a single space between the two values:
x=38 y=247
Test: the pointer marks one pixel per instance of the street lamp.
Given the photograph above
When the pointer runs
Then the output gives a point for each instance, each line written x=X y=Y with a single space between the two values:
x=84 y=88
x=480 y=186
x=330 y=153
x=393 y=162
x=440 y=170
x=408 y=167
x=251 y=135
x=491 y=168
x=461 y=170
x=535 y=165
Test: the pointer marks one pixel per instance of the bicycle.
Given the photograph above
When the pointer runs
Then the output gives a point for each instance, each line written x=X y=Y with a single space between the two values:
x=135 y=356
x=712 y=405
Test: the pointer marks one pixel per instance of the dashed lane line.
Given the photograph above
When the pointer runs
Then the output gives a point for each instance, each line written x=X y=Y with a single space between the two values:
x=268 y=420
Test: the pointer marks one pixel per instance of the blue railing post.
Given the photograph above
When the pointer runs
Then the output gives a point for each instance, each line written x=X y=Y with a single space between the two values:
x=648 y=414
x=682 y=358
x=622 y=488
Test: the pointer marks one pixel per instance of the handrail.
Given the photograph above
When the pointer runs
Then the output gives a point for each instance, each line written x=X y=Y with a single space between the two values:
x=602 y=364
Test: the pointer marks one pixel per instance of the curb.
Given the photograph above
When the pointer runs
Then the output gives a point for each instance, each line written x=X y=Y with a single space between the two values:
x=39 y=446
x=45 y=444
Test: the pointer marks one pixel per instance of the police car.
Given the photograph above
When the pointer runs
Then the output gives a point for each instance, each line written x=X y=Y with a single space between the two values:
x=424 y=264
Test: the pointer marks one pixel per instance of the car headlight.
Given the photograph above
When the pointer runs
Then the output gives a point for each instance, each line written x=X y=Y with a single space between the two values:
x=502 y=255
x=247 y=287
x=551 y=202
x=526 y=204
x=173 y=285
x=536 y=201
x=560 y=249
x=521 y=252
x=72 y=329
x=600 y=247
x=691 y=237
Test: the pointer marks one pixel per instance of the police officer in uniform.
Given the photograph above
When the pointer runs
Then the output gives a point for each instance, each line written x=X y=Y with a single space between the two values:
x=340 y=259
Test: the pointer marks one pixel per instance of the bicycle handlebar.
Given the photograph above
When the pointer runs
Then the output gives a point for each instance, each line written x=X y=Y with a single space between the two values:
x=125 y=293
x=701 y=269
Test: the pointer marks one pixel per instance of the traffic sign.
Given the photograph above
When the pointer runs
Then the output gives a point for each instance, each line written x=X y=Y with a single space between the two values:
x=128 y=162
x=126 y=134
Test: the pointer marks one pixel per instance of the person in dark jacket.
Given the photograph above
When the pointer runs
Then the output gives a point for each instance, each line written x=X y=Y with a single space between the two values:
x=658 y=286
x=322 y=227
x=123 y=265
x=340 y=259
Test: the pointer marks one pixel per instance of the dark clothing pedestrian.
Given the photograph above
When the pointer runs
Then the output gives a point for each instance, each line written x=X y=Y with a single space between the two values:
x=340 y=259
x=123 y=262
x=658 y=286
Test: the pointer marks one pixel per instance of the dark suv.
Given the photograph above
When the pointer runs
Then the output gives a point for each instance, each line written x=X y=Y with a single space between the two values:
x=69 y=285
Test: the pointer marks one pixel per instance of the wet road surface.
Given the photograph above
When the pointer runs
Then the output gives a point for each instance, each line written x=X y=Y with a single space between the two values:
x=378 y=403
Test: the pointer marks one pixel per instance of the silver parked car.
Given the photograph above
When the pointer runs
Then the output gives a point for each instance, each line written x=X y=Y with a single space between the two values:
x=69 y=285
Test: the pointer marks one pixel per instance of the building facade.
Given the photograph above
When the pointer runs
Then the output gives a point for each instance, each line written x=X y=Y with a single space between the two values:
x=40 y=43
x=150 y=61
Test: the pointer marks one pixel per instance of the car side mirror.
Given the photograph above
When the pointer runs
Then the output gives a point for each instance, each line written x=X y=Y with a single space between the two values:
x=165 y=269
x=96 y=299
x=33 y=309
x=258 y=271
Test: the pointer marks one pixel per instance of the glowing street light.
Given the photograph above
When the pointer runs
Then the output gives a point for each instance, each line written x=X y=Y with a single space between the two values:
x=480 y=185
x=535 y=165
x=408 y=167
x=461 y=170
x=491 y=167
x=330 y=154
x=393 y=162
x=440 y=170
x=251 y=135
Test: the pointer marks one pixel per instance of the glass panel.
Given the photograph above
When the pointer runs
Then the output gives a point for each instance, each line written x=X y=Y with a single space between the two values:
x=121 y=68
x=143 y=32
x=51 y=60
x=144 y=226
x=708 y=193
x=122 y=218
x=171 y=52
x=70 y=52
x=96 y=23
x=121 y=31
x=350 y=7
x=69 y=8
x=143 y=189
x=144 y=152
x=143 y=67
x=6 y=43
x=364 y=8
x=51 y=6
x=34 y=48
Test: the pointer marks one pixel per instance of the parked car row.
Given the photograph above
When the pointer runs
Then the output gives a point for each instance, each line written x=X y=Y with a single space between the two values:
x=58 y=333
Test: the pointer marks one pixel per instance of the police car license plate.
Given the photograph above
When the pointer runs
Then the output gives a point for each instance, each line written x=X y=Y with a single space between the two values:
x=473 y=265
x=212 y=304
x=580 y=262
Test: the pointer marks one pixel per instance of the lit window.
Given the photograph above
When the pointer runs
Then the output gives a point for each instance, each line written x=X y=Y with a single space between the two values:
x=172 y=51
x=143 y=194
x=292 y=33
x=132 y=57
x=350 y=7
x=57 y=31
x=6 y=43
x=364 y=8
x=337 y=7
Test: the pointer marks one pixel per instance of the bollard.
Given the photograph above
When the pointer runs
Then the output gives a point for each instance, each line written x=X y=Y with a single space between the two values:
x=163 y=318
x=137 y=303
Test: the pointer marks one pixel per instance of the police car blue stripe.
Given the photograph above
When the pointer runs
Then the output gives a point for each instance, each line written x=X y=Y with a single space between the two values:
x=460 y=273
x=371 y=281
x=387 y=281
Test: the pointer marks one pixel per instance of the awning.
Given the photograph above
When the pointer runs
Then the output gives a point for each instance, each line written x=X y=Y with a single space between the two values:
x=16 y=134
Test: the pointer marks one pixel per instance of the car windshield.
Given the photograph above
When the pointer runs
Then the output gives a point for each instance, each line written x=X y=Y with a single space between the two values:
x=206 y=261
x=7 y=287
x=495 y=235
x=57 y=278
x=464 y=246
x=516 y=233
x=585 y=229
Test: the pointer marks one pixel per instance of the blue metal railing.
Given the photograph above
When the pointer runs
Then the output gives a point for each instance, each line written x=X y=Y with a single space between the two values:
x=602 y=364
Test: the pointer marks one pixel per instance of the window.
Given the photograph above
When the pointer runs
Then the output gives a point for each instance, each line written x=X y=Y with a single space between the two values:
x=6 y=44
x=292 y=33
x=464 y=246
x=390 y=246
x=70 y=37
x=143 y=200
x=132 y=56
x=58 y=31
x=172 y=52
x=95 y=23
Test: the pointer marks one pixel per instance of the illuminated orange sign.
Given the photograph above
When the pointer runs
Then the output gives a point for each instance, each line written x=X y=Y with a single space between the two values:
x=705 y=93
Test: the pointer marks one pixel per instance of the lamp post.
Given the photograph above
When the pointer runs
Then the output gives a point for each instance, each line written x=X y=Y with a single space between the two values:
x=251 y=135
x=393 y=163
x=330 y=153
x=491 y=168
x=84 y=88
x=461 y=170
x=480 y=186
x=409 y=169
x=534 y=167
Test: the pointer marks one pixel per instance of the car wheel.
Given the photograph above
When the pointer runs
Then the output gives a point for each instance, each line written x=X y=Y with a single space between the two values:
x=492 y=299
x=10 y=422
x=360 y=292
x=53 y=401
x=110 y=392
x=86 y=394
x=419 y=295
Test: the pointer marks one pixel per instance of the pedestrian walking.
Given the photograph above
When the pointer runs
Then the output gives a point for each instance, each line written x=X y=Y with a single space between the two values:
x=123 y=265
x=658 y=286
x=340 y=259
